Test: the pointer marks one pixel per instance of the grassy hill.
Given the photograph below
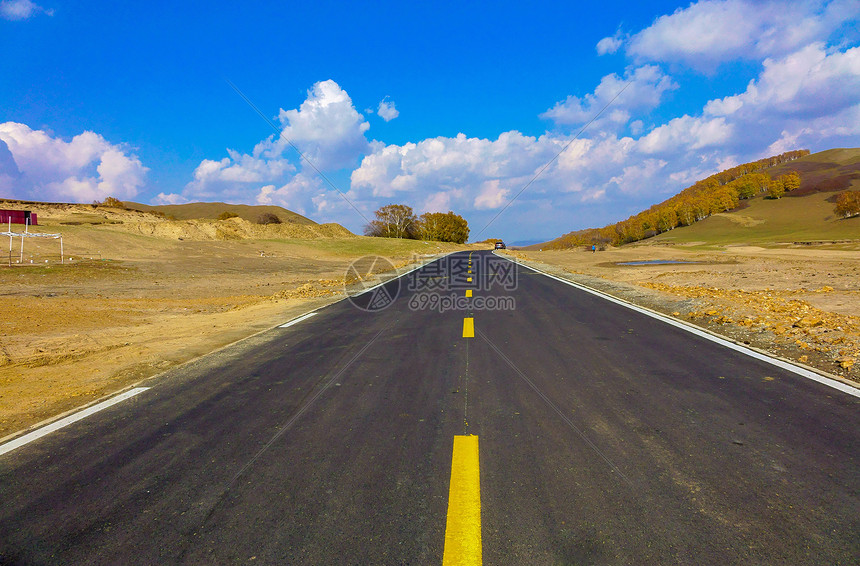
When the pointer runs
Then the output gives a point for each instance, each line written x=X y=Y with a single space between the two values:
x=787 y=220
x=803 y=215
x=825 y=171
x=212 y=210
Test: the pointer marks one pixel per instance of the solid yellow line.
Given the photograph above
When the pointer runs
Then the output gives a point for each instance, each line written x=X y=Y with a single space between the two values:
x=463 y=529
x=468 y=292
x=468 y=328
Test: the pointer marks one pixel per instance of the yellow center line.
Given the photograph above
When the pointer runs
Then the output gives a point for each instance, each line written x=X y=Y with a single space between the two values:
x=468 y=279
x=463 y=528
x=468 y=292
x=468 y=327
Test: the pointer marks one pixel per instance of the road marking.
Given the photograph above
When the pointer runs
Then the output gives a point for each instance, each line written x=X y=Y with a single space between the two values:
x=297 y=320
x=844 y=387
x=57 y=425
x=470 y=271
x=468 y=279
x=468 y=328
x=468 y=292
x=463 y=528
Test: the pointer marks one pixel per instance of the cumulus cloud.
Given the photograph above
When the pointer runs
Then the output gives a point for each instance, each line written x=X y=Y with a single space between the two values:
x=686 y=131
x=710 y=32
x=297 y=194
x=326 y=128
x=84 y=169
x=21 y=9
x=647 y=86
x=806 y=84
x=387 y=111
x=609 y=45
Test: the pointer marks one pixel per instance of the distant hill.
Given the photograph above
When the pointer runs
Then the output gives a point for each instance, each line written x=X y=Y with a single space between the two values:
x=212 y=210
x=805 y=215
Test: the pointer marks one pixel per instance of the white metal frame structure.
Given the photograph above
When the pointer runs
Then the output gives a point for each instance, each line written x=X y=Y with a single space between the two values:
x=27 y=234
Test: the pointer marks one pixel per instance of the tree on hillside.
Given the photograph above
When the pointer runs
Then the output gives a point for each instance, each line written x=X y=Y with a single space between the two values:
x=443 y=227
x=776 y=188
x=720 y=192
x=791 y=181
x=847 y=204
x=393 y=221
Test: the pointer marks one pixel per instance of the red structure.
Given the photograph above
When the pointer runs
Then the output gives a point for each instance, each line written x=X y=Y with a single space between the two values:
x=18 y=217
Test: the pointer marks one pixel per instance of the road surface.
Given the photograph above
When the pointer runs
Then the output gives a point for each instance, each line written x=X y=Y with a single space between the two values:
x=603 y=437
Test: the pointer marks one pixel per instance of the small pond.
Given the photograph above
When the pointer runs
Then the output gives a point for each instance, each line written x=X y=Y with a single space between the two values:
x=659 y=262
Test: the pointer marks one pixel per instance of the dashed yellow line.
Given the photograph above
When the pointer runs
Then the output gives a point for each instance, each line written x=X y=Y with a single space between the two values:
x=468 y=292
x=463 y=528
x=468 y=327
x=468 y=279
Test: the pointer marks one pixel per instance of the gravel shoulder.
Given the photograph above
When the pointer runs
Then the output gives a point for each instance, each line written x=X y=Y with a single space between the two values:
x=800 y=304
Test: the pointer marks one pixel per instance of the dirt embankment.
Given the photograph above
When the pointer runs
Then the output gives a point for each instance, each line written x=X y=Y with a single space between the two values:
x=800 y=303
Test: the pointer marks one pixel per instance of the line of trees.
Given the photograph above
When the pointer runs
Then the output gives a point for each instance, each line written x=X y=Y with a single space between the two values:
x=400 y=221
x=720 y=192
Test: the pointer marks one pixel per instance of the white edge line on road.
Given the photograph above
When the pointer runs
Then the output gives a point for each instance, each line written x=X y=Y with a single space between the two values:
x=297 y=320
x=402 y=275
x=87 y=411
x=844 y=387
x=56 y=425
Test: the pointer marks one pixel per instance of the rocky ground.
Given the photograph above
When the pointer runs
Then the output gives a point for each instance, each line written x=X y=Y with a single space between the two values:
x=795 y=302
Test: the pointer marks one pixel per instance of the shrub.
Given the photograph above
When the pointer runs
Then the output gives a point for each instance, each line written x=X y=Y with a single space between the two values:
x=226 y=215
x=268 y=218
x=112 y=202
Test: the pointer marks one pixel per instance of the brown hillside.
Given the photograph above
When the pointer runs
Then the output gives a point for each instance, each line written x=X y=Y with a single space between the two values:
x=212 y=210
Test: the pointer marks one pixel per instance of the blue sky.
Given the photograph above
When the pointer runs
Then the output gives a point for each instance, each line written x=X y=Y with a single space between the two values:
x=441 y=107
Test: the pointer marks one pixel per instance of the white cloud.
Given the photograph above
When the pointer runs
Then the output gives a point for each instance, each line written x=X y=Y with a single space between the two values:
x=806 y=84
x=710 y=32
x=640 y=177
x=21 y=9
x=645 y=91
x=609 y=44
x=491 y=195
x=296 y=195
x=387 y=111
x=171 y=198
x=686 y=132
x=327 y=129
x=84 y=169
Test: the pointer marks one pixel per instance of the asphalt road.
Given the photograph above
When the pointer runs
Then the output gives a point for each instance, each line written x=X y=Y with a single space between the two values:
x=606 y=437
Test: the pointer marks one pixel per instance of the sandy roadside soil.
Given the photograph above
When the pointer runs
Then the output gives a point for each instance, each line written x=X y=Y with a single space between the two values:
x=799 y=303
x=73 y=333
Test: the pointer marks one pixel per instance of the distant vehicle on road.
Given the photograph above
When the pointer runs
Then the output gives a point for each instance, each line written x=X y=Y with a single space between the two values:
x=500 y=245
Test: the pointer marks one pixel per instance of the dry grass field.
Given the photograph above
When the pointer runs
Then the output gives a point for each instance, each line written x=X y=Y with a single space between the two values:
x=139 y=294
